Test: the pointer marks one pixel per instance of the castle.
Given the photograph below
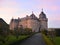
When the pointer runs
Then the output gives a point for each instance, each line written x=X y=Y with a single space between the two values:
x=36 y=24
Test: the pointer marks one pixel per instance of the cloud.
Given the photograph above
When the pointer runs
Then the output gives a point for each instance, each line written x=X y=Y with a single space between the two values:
x=7 y=13
x=52 y=7
x=49 y=4
x=8 y=9
x=48 y=0
x=54 y=18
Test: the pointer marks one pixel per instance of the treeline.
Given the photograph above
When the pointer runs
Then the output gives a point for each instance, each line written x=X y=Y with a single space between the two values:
x=21 y=31
x=4 y=29
x=55 y=32
x=8 y=36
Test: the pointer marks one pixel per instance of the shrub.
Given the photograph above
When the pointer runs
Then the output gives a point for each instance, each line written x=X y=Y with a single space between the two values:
x=57 y=32
x=44 y=32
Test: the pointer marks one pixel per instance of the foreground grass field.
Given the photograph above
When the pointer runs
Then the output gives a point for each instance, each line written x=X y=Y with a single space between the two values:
x=11 y=39
x=57 y=40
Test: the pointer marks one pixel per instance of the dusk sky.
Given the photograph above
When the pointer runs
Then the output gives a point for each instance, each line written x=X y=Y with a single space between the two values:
x=21 y=8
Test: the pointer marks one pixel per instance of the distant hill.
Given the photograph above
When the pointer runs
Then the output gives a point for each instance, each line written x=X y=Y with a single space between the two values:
x=3 y=24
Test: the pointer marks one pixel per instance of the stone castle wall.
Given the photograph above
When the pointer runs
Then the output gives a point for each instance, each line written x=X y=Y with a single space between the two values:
x=36 y=24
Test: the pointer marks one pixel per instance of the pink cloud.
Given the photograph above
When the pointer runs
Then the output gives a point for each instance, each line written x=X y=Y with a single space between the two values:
x=49 y=4
x=53 y=8
x=48 y=0
x=54 y=17
x=8 y=10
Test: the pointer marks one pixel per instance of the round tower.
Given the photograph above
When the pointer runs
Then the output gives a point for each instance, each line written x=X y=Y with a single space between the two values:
x=43 y=20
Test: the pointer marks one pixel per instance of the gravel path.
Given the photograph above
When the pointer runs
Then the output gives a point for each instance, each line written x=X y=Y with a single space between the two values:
x=36 y=39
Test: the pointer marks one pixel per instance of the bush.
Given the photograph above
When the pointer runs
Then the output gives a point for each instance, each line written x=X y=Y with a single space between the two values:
x=27 y=31
x=44 y=32
x=57 y=32
x=11 y=39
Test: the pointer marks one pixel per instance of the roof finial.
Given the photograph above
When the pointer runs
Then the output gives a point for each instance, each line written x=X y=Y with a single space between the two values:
x=32 y=12
x=42 y=9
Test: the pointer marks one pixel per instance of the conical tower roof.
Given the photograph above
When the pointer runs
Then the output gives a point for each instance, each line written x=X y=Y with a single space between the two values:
x=33 y=15
x=42 y=15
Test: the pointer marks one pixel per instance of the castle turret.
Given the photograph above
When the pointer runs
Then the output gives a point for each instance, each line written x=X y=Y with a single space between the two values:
x=43 y=20
x=32 y=16
x=12 y=24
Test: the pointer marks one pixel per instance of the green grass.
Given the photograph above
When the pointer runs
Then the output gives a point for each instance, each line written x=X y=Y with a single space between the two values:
x=11 y=39
x=22 y=37
x=47 y=40
x=57 y=40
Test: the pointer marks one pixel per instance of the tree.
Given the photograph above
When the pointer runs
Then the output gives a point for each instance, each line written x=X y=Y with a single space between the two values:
x=44 y=32
x=27 y=30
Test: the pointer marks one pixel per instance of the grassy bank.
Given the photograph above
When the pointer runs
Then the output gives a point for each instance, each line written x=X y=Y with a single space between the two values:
x=57 y=40
x=11 y=39
x=47 y=40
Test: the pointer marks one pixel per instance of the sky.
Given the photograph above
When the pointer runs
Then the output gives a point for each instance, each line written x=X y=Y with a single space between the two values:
x=20 y=8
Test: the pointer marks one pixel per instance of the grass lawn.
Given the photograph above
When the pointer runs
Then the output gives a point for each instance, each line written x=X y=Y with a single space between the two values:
x=11 y=39
x=57 y=40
